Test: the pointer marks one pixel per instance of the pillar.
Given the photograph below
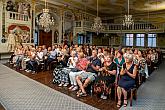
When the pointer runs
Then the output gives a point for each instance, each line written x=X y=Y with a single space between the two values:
x=60 y=29
x=33 y=20
x=53 y=31
x=1 y=18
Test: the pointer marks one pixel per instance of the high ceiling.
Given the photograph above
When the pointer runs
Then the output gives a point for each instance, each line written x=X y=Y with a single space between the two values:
x=116 y=8
x=113 y=7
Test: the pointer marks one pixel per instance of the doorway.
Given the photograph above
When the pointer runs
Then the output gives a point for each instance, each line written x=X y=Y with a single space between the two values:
x=45 y=38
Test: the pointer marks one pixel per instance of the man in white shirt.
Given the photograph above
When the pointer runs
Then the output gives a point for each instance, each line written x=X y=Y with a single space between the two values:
x=40 y=54
x=44 y=50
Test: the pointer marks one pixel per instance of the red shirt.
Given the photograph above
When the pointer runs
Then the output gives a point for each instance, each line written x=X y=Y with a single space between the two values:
x=82 y=64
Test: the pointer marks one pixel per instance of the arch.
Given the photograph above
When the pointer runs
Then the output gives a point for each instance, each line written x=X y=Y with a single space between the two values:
x=69 y=13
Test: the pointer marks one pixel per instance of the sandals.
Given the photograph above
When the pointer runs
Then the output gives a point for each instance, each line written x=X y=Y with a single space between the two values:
x=81 y=94
x=119 y=104
x=125 y=102
x=78 y=92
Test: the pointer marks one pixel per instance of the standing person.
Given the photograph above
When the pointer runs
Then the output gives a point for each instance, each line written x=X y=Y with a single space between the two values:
x=127 y=81
x=11 y=41
x=20 y=7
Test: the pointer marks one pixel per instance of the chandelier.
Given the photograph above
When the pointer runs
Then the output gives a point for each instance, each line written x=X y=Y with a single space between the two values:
x=45 y=19
x=97 y=26
x=148 y=28
x=128 y=21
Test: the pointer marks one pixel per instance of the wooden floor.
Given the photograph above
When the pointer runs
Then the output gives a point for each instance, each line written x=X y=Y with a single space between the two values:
x=1 y=107
x=46 y=79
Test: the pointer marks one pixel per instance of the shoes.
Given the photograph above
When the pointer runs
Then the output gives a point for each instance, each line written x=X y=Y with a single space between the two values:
x=81 y=94
x=66 y=84
x=28 y=71
x=60 y=85
x=119 y=103
x=71 y=87
x=103 y=97
x=33 y=72
x=125 y=102
x=74 y=88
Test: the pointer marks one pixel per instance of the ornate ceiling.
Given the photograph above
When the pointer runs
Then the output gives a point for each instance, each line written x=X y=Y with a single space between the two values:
x=116 y=8
x=112 y=7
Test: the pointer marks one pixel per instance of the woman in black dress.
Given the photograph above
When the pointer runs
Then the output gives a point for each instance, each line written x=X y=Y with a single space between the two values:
x=127 y=79
x=106 y=78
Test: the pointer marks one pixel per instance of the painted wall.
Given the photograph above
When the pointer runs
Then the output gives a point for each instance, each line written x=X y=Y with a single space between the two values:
x=161 y=40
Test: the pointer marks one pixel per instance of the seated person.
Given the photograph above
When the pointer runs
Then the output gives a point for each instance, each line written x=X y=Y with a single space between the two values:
x=119 y=60
x=44 y=50
x=106 y=78
x=26 y=58
x=39 y=55
x=19 y=56
x=89 y=75
x=142 y=67
x=52 y=55
x=32 y=64
x=63 y=77
x=81 y=66
x=127 y=79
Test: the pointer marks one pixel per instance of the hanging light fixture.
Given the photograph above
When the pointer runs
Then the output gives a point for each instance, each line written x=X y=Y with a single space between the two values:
x=97 y=26
x=128 y=21
x=45 y=19
x=148 y=28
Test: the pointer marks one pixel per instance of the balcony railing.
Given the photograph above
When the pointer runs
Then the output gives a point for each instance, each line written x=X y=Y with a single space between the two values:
x=118 y=27
x=17 y=16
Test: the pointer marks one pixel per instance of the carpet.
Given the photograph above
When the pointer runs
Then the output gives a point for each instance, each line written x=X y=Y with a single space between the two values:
x=18 y=92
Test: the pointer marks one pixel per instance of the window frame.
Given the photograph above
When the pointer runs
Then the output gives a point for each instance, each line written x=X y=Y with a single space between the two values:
x=152 y=36
x=142 y=38
x=130 y=39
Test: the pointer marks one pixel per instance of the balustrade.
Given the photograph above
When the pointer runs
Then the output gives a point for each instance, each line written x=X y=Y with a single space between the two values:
x=17 y=16
x=116 y=27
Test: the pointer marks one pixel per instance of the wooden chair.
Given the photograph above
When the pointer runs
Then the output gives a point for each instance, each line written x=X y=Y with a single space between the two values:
x=52 y=64
x=133 y=95
x=133 y=91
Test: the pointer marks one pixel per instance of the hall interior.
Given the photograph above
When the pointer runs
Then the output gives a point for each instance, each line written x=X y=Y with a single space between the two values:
x=107 y=24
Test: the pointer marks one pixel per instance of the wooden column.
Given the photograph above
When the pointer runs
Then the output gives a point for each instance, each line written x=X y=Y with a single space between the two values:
x=61 y=26
x=33 y=20
x=1 y=17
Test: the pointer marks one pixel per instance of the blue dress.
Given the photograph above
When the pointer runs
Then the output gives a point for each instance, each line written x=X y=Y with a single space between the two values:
x=126 y=81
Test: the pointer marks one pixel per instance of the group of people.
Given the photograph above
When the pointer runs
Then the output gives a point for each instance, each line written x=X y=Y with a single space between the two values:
x=20 y=7
x=80 y=66
x=14 y=38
